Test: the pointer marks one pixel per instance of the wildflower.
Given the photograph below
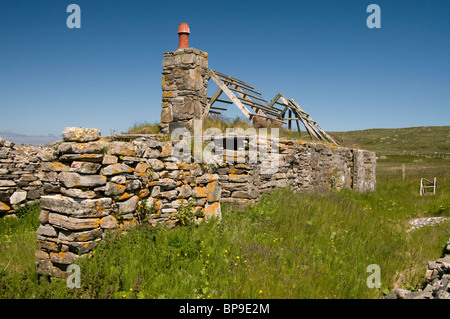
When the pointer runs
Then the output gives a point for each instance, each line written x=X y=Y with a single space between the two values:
x=260 y=292
x=131 y=289
x=237 y=257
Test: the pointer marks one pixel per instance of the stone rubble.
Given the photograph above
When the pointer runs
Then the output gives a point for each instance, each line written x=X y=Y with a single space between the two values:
x=437 y=278
x=418 y=223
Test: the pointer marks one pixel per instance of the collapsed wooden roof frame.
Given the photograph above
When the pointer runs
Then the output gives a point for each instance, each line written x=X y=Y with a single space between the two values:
x=246 y=96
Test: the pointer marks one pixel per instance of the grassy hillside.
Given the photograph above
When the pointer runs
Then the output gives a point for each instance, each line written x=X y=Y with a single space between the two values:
x=407 y=141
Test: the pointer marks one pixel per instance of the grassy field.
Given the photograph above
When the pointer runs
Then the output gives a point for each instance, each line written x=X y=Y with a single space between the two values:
x=289 y=245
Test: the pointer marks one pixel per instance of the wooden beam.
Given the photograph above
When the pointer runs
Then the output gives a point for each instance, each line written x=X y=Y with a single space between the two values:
x=212 y=100
x=234 y=79
x=230 y=94
x=242 y=86
x=220 y=100
x=219 y=108
x=248 y=94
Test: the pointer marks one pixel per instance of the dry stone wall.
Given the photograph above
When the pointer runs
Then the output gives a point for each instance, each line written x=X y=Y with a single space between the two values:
x=301 y=165
x=21 y=178
x=102 y=184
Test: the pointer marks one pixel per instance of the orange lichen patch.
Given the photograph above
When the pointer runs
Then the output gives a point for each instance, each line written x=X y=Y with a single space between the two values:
x=333 y=147
x=143 y=193
x=213 y=193
x=233 y=176
x=57 y=167
x=4 y=207
x=157 y=204
x=167 y=94
x=184 y=175
x=84 y=237
x=141 y=169
x=124 y=196
x=200 y=191
x=212 y=209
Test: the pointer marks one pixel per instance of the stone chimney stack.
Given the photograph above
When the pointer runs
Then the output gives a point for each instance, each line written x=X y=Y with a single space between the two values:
x=184 y=86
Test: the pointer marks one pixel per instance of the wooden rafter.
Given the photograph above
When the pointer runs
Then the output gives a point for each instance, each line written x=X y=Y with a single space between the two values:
x=250 y=102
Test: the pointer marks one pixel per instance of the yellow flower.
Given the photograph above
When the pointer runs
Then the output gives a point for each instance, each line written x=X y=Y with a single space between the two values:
x=131 y=289
x=260 y=291
x=237 y=257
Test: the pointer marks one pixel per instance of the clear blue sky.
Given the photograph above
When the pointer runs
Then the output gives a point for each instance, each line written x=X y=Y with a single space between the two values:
x=107 y=74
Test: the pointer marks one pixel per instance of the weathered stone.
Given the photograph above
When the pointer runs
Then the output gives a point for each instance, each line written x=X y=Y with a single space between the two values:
x=18 y=197
x=133 y=185
x=108 y=222
x=166 y=149
x=85 y=167
x=46 y=230
x=212 y=209
x=65 y=258
x=76 y=207
x=167 y=183
x=4 y=207
x=185 y=191
x=169 y=194
x=109 y=159
x=237 y=178
x=155 y=191
x=77 y=193
x=114 y=169
x=80 y=236
x=7 y=183
x=155 y=164
x=206 y=178
x=47 y=245
x=213 y=191
x=44 y=267
x=121 y=149
x=43 y=217
x=166 y=115
x=119 y=179
x=141 y=169
x=83 y=247
x=71 y=179
x=113 y=189
x=151 y=153
x=128 y=206
x=80 y=134
x=96 y=147
x=54 y=167
x=72 y=223
x=96 y=158
x=199 y=191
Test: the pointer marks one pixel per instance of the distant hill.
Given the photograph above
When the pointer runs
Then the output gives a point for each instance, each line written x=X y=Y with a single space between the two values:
x=29 y=139
x=422 y=140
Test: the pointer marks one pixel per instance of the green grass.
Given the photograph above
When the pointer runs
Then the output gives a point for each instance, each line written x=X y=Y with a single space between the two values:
x=289 y=245
x=144 y=128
